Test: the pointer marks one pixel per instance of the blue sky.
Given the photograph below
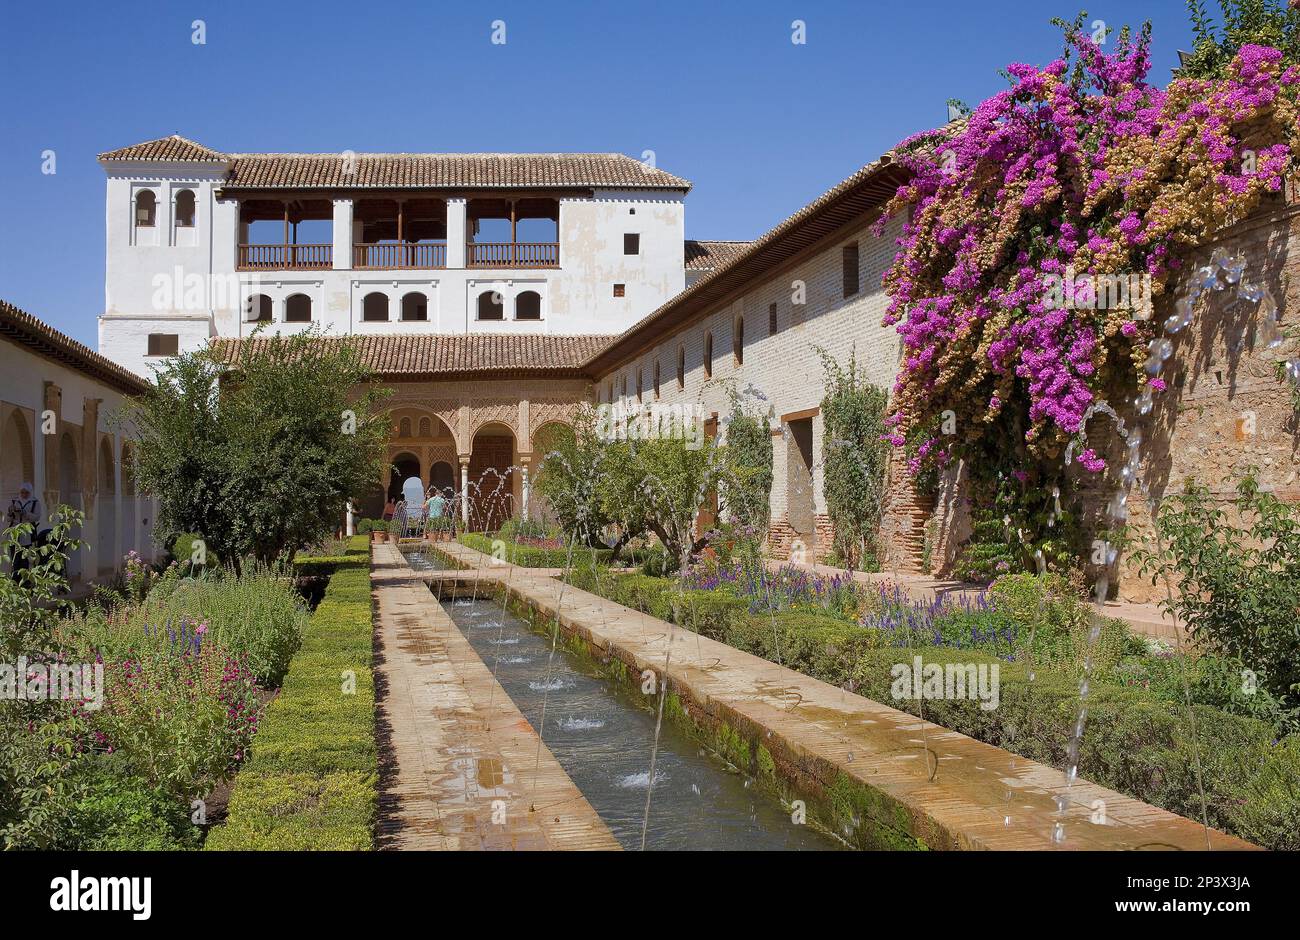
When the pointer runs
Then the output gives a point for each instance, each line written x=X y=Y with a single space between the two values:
x=718 y=91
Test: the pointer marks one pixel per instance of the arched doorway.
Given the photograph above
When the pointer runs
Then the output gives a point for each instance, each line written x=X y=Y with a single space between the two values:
x=15 y=456
x=405 y=465
x=371 y=504
x=442 y=477
x=129 y=540
x=491 y=478
x=106 y=510
x=545 y=440
x=70 y=494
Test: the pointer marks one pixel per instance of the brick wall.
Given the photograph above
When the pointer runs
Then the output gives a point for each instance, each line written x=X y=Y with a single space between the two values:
x=1221 y=388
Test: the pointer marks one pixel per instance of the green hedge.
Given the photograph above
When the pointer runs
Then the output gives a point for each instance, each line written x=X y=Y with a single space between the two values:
x=528 y=556
x=312 y=778
x=1136 y=742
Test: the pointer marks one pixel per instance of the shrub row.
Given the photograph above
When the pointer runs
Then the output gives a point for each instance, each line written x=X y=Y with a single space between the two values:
x=311 y=782
x=1135 y=742
x=531 y=556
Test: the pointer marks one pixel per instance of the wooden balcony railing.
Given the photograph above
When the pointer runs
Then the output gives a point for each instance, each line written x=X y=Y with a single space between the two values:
x=512 y=254
x=431 y=255
x=280 y=257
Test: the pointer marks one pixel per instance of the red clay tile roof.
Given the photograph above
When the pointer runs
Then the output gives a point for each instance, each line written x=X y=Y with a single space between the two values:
x=426 y=356
x=446 y=171
x=705 y=256
x=173 y=149
x=410 y=170
x=21 y=327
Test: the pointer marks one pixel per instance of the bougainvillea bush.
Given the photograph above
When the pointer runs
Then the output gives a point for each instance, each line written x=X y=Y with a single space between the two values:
x=1042 y=227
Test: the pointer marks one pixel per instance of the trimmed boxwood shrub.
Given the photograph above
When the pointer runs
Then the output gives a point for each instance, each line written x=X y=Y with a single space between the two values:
x=711 y=613
x=311 y=781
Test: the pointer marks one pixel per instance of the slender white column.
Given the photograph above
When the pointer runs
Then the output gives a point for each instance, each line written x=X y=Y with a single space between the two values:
x=464 y=491
x=456 y=231
x=342 y=234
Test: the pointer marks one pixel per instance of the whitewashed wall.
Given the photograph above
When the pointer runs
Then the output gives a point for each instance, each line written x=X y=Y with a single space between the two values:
x=170 y=280
x=118 y=521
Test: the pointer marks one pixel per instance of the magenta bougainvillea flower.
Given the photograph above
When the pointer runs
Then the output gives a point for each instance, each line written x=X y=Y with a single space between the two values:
x=1040 y=229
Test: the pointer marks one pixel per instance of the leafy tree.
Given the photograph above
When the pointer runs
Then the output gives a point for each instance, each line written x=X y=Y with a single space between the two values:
x=569 y=474
x=259 y=455
x=1260 y=22
x=659 y=486
x=748 y=453
x=854 y=455
x=1236 y=587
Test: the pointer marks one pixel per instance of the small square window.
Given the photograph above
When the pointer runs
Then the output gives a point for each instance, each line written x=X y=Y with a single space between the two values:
x=631 y=244
x=164 y=344
x=619 y=290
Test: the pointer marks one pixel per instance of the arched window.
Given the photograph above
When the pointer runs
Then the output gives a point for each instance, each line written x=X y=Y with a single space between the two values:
x=185 y=208
x=257 y=309
x=107 y=478
x=415 y=306
x=708 y=355
x=297 y=309
x=374 y=307
x=528 y=306
x=146 y=208
x=426 y=428
x=404 y=428
x=738 y=341
x=490 y=306
x=681 y=367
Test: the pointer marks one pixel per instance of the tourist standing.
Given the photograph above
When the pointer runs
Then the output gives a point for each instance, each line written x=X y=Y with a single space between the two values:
x=25 y=507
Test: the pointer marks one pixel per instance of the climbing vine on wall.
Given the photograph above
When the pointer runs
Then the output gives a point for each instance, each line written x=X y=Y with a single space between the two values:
x=1045 y=224
x=854 y=457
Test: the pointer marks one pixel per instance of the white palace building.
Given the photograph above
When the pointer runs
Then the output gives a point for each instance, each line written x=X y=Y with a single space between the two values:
x=203 y=244
x=494 y=293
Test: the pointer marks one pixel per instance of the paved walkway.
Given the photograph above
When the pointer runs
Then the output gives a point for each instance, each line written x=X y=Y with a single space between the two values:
x=459 y=753
x=980 y=796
